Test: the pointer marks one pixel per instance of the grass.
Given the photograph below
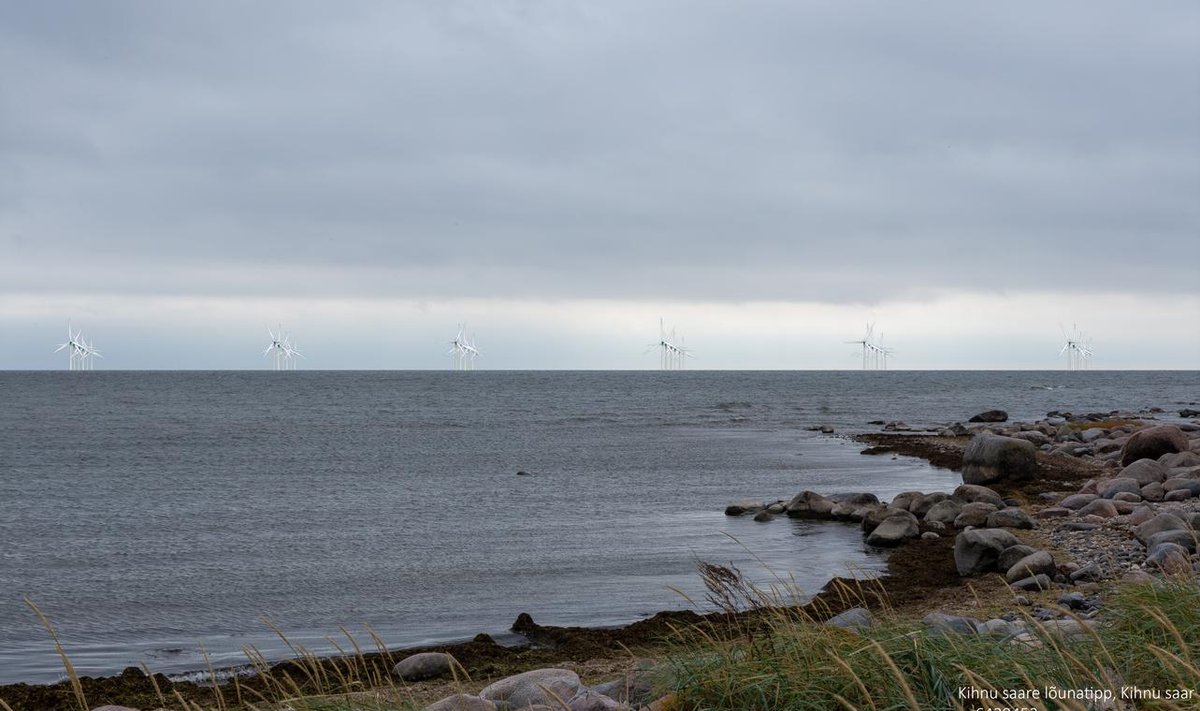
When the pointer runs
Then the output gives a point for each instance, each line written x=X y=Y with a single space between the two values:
x=1150 y=639
x=778 y=657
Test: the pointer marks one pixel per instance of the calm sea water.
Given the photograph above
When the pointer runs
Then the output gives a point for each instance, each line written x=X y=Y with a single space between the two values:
x=151 y=515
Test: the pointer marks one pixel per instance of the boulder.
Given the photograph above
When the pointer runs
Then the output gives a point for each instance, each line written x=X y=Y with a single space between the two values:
x=635 y=687
x=1090 y=573
x=991 y=458
x=1100 y=507
x=877 y=516
x=1140 y=515
x=588 y=700
x=540 y=686
x=1161 y=522
x=941 y=623
x=1011 y=555
x=809 y=504
x=922 y=505
x=1038 y=563
x=973 y=493
x=462 y=702
x=744 y=506
x=977 y=551
x=426 y=665
x=1033 y=582
x=856 y=618
x=856 y=499
x=1144 y=471
x=975 y=514
x=1116 y=486
x=1184 y=539
x=764 y=516
x=990 y=416
x=894 y=530
x=1153 y=442
x=904 y=500
x=1078 y=501
x=1169 y=558
x=1009 y=518
x=944 y=512
x=1054 y=512
x=1128 y=497
x=1153 y=492
x=1180 y=459
x=1034 y=437
x=1192 y=485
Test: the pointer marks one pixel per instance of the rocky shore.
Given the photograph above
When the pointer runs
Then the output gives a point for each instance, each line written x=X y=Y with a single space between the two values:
x=1049 y=512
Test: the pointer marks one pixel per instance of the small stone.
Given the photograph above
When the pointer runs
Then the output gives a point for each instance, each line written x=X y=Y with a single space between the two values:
x=744 y=506
x=1100 y=507
x=853 y=619
x=1039 y=563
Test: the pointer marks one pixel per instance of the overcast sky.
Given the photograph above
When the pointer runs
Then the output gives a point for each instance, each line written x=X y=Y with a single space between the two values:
x=765 y=176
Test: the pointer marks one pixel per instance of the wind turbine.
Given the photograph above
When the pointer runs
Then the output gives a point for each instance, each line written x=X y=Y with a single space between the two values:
x=291 y=352
x=463 y=350
x=867 y=346
x=86 y=353
x=1077 y=353
x=277 y=348
x=670 y=355
x=74 y=347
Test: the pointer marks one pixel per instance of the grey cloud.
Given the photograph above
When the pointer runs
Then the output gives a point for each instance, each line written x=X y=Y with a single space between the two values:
x=680 y=150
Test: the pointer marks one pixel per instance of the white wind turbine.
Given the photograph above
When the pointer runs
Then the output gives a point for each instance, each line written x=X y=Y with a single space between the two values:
x=277 y=348
x=75 y=349
x=671 y=356
x=86 y=353
x=868 y=348
x=463 y=350
x=291 y=352
x=1078 y=354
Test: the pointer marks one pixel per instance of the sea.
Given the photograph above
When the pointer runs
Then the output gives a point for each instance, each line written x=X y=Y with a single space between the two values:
x=176 y=519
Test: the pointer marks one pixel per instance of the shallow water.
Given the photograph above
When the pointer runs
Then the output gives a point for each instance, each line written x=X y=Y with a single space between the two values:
x=151 y=513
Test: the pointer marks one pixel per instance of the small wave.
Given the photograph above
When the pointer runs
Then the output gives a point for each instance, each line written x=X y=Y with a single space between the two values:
x=733 y=405
x=220 y=676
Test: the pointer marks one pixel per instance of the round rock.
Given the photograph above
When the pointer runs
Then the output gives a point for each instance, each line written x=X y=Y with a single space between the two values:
x=426 y=665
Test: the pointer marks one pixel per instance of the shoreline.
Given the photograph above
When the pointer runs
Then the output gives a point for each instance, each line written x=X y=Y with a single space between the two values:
x=920 y=577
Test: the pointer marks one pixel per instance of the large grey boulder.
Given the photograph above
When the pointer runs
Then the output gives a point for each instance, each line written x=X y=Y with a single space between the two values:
x=744 y=506
x=975 y=514
x=1009 y=518
x=1032 y=436
x=977 y=551
x=904 y=500
x=856 y=499
x=426 y=665
x=1039 y=563
x=810 y=504
x=635 y=687
x=879 y=515
x=1169 y=558
x=1190 y=485
x=944 y=512
x=540 y=686
x=1158 y=524
x=991 y=458
x=1144 y=471
x=941 y=623
x=1078 y=501
x=990 y=416
x=894 y=530
x=1116 y=486
x=1100 y=507
x=1009 y=556
x=1186 y=539
x=856 y=618
x=974 y=493
x=590 y=700
x=922 y=505
x=1153 y=442
x=462 y=702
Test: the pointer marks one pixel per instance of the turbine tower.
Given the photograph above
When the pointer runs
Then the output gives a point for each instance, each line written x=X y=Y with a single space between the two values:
x=874 y=355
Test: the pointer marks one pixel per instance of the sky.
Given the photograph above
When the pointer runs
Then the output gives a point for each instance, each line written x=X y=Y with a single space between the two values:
x=766 y=177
